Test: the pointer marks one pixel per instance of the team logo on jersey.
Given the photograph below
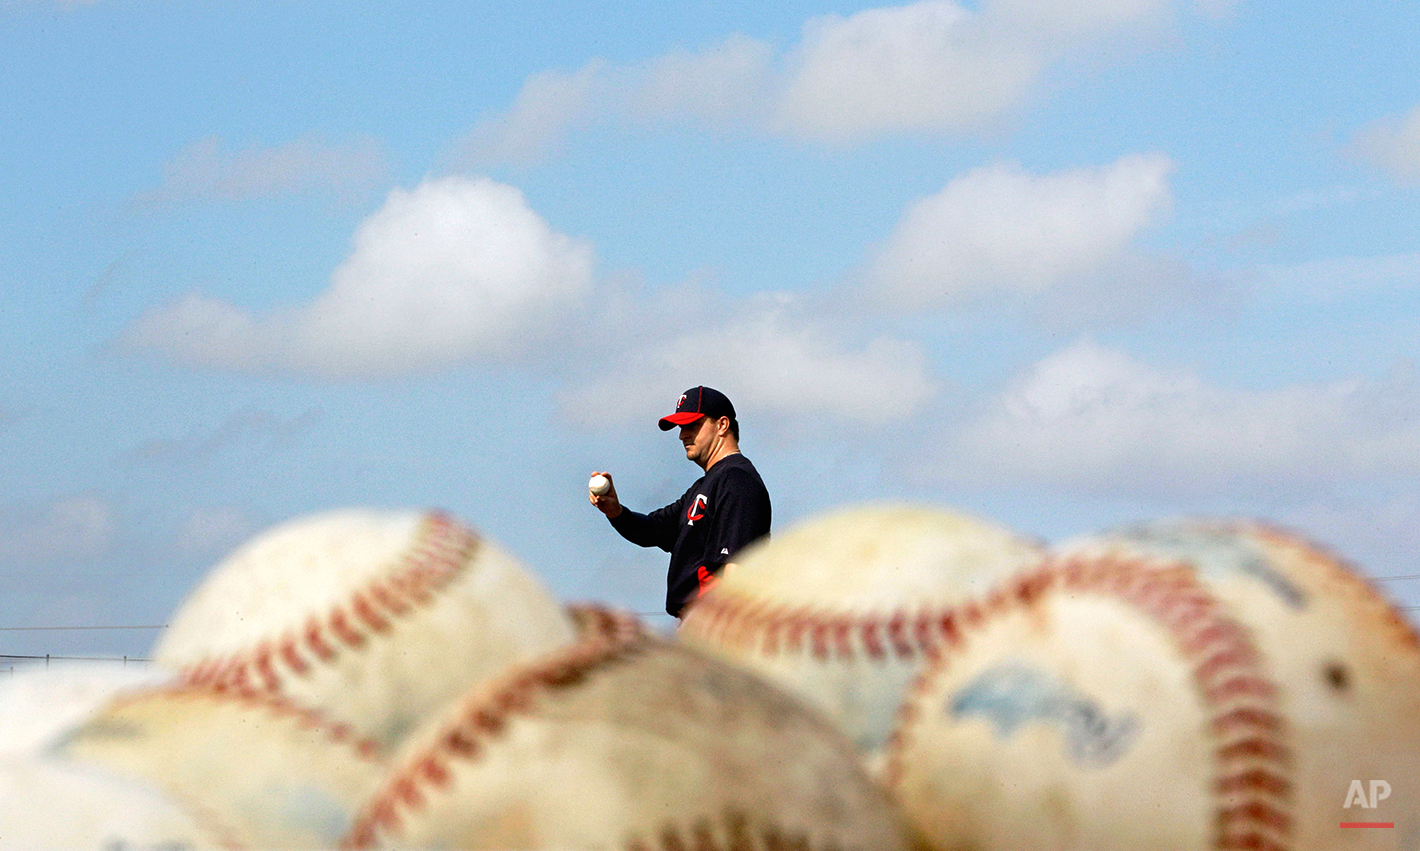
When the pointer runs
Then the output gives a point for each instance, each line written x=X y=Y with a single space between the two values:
x=697 y=509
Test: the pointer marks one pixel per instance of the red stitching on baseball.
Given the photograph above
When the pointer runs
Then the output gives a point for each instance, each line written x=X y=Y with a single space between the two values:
x=896 y=629
x=1239 y=687
x=1255 y=779
x=343 y=631
x=872 y=644
x=1255 y=813
x=1252 y=762
x=441 y=550
x=729 y=620
x=387 y=599
x=292 y=656
x=736 y=834
x=262 y=664
x=365 y=611
x=315 y=639
x=435 y=772
x=607 y=637
x=1250 y=842
x=1247 y=717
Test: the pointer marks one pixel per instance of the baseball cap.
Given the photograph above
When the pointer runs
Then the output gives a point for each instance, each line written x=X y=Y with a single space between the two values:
x=698 y=402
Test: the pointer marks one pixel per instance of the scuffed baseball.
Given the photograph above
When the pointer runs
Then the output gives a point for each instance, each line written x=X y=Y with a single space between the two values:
x=842 y=609
x=268 y=773
x=599 y=485
x=40 y=705
x=1191 y=685
x=628 y=741
x=1099 y=705
x=374 y=618
x=1346 y=662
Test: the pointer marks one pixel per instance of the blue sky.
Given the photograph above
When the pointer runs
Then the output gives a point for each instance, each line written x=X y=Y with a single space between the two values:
x=1062 y=265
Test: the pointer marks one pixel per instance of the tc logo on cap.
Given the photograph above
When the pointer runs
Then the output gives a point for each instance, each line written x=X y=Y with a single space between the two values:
x=698 y=402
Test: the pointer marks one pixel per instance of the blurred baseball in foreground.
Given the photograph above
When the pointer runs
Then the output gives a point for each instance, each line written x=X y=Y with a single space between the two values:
x=1346 y=664
x=1096 y=705
x=38 y=706
x=631 y=742
x=1185 y=685
x=53 y=805
x=373 y=618
x=599 y=485
x=842 y=609
x=266 y=773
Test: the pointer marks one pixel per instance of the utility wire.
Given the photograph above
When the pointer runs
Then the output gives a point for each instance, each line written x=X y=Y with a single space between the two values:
x=72 y=628
x=48 y=658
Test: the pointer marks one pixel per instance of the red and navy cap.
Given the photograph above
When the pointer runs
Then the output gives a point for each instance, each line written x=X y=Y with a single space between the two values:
x=698 y=402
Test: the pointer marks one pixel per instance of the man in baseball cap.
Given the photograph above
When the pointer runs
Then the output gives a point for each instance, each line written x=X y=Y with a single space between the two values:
x=727 y=508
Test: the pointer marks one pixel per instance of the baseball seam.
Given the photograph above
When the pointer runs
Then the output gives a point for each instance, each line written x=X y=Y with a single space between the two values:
x=337 y=731
x=441 y=550
x=739 y=836
x=772 y=629
x=1251 y=784
x=608 y=638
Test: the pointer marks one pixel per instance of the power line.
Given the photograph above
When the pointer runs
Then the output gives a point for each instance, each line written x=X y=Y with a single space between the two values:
x=74 y=628
x=48 y=658
x=1393 y=578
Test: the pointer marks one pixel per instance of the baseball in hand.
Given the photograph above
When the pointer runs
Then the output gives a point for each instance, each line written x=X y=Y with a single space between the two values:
x=599 y=485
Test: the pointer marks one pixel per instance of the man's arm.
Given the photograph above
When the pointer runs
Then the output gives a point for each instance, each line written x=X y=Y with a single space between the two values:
x=657 y=529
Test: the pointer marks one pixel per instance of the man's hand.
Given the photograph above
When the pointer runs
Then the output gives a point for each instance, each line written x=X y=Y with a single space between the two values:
x=607 y=503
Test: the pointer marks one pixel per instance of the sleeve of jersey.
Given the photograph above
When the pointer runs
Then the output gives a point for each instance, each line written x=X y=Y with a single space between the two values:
x=741 y=518
x=657 y=529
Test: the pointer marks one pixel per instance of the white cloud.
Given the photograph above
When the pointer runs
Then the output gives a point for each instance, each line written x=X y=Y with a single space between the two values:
x=927 y=66
x=722 y=85
x=454 y=270
x=938 y=67
x=1050 y=19
x=1391 y=144
x=549 y=104
x=998 y=228
x=205 y=170
x=74 y=527
x=770 y=361
x=1095 y=419
x=933 y=66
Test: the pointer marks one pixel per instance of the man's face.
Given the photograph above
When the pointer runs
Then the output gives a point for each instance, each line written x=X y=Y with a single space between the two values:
x=699 y=439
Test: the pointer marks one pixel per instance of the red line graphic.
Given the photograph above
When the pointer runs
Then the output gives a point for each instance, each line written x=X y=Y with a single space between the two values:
x=1368 y=824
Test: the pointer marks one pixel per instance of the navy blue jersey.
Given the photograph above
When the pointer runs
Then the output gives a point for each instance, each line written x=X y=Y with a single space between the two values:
x=724 y=510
